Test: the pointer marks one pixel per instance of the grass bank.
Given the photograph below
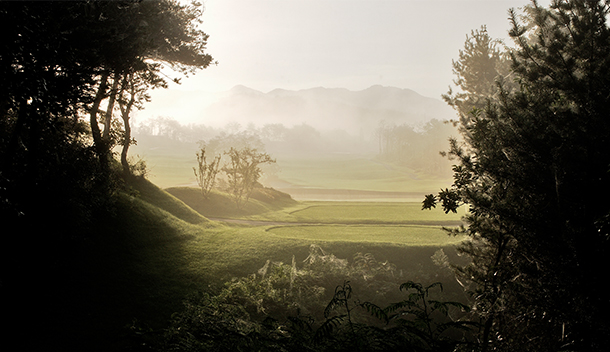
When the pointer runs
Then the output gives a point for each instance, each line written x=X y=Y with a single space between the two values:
x=155 y=247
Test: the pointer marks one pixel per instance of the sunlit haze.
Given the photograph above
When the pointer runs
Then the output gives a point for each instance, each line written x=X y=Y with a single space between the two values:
x=355 y=44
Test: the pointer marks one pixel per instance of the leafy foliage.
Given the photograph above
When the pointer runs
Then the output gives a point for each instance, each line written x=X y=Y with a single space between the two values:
x=532 y=168
x=226 y=321
x=67 y=69
x=59 y=63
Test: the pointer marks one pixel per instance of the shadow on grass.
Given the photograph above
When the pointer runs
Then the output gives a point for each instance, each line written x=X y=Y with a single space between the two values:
x=83 y=293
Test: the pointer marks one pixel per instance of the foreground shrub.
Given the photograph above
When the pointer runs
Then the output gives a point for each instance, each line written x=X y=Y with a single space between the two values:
x=283 y=308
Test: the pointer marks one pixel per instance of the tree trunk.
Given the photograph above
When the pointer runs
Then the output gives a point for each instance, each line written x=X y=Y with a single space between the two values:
x=126 y=143
x=125 y=111
x=98 y=142
x=108 y=116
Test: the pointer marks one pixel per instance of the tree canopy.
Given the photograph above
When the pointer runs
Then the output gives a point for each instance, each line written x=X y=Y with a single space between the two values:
x=72 y=71
x=534 y=170
x=60 y=61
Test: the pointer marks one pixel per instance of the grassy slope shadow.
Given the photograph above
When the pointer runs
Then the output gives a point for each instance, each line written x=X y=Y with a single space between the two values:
x=131 y=266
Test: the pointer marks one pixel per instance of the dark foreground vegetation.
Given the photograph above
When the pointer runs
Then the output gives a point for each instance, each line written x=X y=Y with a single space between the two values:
x=80 y=235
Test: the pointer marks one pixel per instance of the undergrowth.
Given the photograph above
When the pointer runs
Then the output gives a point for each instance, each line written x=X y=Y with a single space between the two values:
x=284 y=307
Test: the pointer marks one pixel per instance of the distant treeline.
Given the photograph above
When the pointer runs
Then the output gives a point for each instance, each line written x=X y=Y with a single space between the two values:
x=417 y=147
x=420 y=149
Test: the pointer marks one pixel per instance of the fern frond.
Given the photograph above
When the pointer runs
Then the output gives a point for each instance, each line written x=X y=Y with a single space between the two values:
x=458 y=325
x=439 y=284
x=399 y=305
x=411 y=284
x=325 y=330
x=375 y=311
x=332 y=305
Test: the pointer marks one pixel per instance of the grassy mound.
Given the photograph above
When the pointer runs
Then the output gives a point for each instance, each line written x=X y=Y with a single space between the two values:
x=221 y=205
x=144 y=258
x=152 y=194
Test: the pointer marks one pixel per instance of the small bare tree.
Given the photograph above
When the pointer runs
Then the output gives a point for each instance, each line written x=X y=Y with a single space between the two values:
x=206 y=173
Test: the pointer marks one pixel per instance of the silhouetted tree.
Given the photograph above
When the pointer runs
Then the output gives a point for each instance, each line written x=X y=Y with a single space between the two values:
x=138 y=39
x=533 y=168
x=481 y=63
x=62 y=60
x=67 y=67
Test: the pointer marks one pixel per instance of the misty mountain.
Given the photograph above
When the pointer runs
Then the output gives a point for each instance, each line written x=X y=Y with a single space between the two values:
x=358 y=112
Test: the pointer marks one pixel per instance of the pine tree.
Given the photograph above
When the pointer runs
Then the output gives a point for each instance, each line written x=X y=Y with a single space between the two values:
x=534 y=169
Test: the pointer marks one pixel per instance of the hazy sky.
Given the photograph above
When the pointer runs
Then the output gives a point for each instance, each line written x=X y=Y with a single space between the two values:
x=354 y=44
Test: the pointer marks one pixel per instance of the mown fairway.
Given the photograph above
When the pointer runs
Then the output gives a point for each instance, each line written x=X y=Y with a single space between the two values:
x=171 y=164
x=270 y=226
x=356 y=172
x=373 y=212
x=389 y=223
x=391 y=234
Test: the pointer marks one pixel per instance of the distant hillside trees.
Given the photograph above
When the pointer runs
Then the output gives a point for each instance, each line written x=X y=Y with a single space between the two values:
x=418 y=149
x=225 y=140
x=534 y=171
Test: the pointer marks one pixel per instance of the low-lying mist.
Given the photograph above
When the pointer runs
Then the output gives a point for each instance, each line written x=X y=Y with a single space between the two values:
x=379 y=139
x=357 y=112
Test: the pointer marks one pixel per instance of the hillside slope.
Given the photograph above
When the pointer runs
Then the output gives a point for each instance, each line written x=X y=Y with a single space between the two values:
x=83 y=293
x=154 y=195
x=137 y=262
x=221 y=205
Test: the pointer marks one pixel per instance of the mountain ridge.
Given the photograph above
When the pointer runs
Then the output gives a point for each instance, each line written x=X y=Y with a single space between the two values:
x=327 y=108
